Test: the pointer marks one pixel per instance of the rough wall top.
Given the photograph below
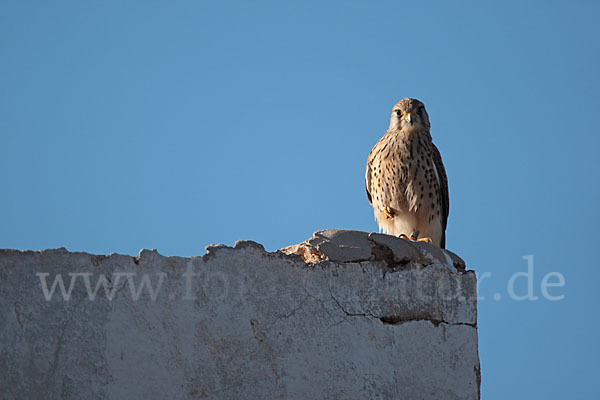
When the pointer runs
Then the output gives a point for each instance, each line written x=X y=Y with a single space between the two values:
x=388 y=278
x=355 y=246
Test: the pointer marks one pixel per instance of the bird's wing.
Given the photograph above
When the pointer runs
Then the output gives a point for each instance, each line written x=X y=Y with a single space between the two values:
x=443 y=192
x=372 y=155
x=368 y=180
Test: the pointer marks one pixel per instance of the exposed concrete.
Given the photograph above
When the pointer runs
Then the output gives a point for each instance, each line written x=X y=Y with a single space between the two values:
x=366 y=316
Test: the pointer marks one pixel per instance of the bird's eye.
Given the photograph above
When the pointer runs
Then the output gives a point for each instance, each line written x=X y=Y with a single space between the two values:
x=399 y=113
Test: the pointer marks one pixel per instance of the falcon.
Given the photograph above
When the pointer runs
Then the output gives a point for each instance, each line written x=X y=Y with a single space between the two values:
x=406 y=180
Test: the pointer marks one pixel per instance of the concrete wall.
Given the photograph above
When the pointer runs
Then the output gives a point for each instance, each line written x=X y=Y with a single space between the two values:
x=345 y=315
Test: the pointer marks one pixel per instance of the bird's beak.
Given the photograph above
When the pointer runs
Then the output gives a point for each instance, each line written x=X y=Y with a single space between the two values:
x=408 y=118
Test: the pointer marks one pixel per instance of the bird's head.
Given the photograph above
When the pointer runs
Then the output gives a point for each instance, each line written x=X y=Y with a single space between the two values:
x=409 y=115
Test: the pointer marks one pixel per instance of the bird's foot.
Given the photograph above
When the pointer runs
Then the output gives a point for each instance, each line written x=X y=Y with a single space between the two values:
x=414 y=237
x=389 y=213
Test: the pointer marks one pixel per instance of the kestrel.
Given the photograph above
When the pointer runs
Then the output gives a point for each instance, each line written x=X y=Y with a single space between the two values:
x=406 y=181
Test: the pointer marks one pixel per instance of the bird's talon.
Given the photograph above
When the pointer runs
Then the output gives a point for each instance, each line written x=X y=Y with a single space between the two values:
x=389 y=213
x=414 y=237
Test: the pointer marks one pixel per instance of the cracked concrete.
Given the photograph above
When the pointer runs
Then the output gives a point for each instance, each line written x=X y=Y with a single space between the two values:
x=343 y=315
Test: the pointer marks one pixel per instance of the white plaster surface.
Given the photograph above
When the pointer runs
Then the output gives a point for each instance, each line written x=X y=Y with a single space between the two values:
x=375 y=317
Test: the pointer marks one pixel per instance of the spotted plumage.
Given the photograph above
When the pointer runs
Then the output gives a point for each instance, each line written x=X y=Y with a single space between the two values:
x=406 y=180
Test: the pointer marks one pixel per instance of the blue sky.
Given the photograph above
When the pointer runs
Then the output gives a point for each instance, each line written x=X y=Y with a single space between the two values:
x=173 y=125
